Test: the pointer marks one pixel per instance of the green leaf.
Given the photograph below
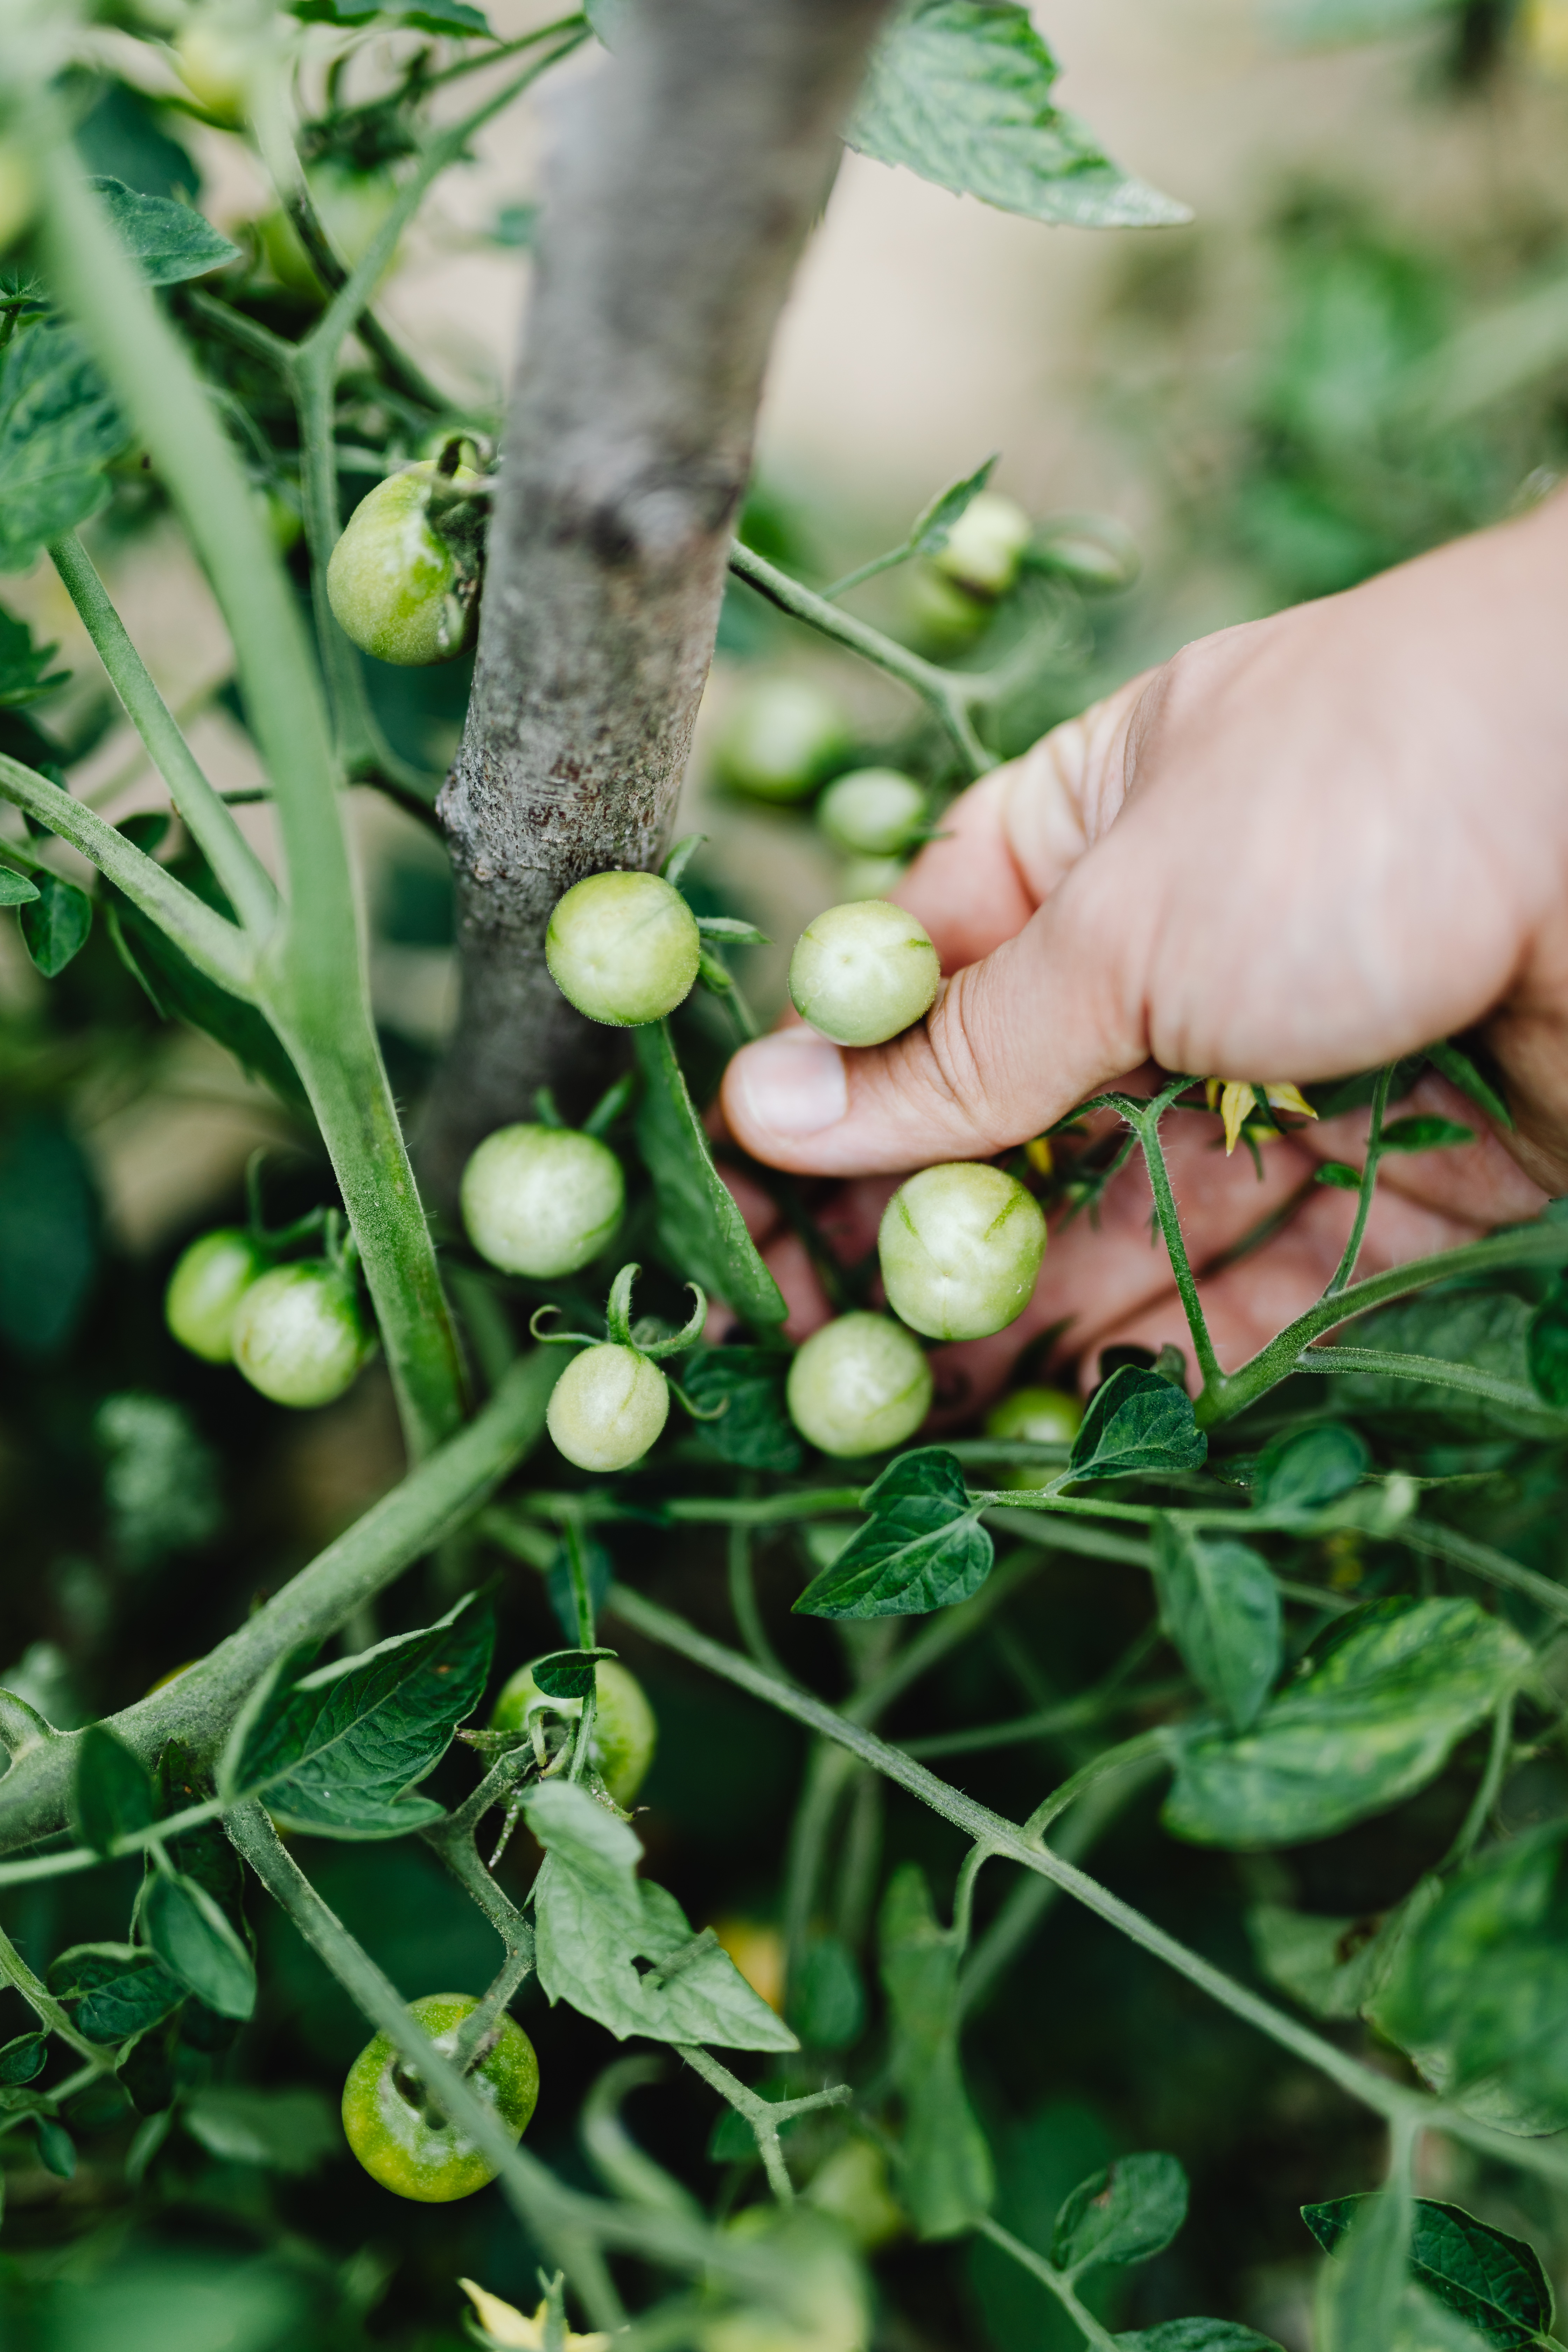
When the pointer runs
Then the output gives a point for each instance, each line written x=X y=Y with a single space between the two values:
x=1138 y=1423
x=120 y=1990
x=1339 y=1175
x=197 y=1944
x=439 y=16
x=595 y=1920
x=1424 y=1134
x=1359 y=2297
x=1546 y=1345
x=15 y=890
x=1496 y=2283
x=1486 y=1330
x=285 y=2131
x=111 y=1792
x=172 y=242
x=1305 y=1468
x=959 y=91
x=1328 y=1965
x=59 y=428
x=177 y=990
x=25 y=673
x=754 y=1431
x=1197 y=2336
x=1220 y=1605
x=568 y=1674
x=828 y=2010
x=203 y=1853
x=1371 y=1718
x=608 y=18
x=702 y=1233
x=56 y=2149
x=55 y=924
x=335 y=1751
x=1122 y=2215
x=921 y=1546
x=946 y=2175
x=22 y=2060
x=1459 y=1069
x=933 y=526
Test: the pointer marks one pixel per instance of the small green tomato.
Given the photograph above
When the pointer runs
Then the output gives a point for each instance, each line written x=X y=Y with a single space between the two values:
x=299 y=1334
x=351 y=206
x=607 y=1407
x=986 y=545
x=864 y=971
x=859 y=1385
x=209 y=1280
x=1043 y=1416
x=401 y=2137
x=960 y=1246
x=782 y=737
x=872 y=811
x=826 y=2307
x=625 y=1730
x=394 y=581
x=215 y=63
x=622 y=947
x=542 y=1201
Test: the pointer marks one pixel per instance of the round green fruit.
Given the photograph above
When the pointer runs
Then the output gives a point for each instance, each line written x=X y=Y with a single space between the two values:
x=782 y=737
x=1043 y=1417
x=209 y=1280
x=299 y=1334
x=351 y=206
x=985 y=546
x=859 y=1385
x=622 y=947
x=960 y=1246
x=607 y=1407
x=625 y=1730
x=395 y=582
x=863 y=972
x=542 y=1201
x=872 y=811
x=398 y=2134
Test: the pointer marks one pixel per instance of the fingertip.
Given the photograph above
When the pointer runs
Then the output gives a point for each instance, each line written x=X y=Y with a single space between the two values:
x=781 y=1091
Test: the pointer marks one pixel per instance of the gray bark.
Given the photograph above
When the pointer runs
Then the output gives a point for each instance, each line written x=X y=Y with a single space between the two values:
x=684 y=185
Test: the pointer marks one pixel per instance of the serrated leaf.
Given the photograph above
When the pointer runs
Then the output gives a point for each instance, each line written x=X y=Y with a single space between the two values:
x=55 y=923
x=15 y=890
x=921 y=1546
x=945 y=2176
x=754 y=1431
x=1305 y=1468
x=335 y=1751
x=22 y=2060
x=120 y=1990
x=1418 y=1134
x=1196 y=2335
x=1360 y=2296
x=196 y=1944
x=933 y=526
x=439 y=16
x=171 y=242
x=1495 y=2282
x=1220 y=1605
x=1122 y=2215
x=568 y=1674
x=702 y=1235
x=960 y=93
x=1486 y=1330
x=1138 y=1424
x=597 y=1925
x=111 y=1790
x=25 y=673
x=1371 y=1718
x=59 y=428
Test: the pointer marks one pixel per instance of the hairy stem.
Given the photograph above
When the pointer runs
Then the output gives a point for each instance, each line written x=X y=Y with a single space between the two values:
x=1346 y=1269
x=1036 y=2266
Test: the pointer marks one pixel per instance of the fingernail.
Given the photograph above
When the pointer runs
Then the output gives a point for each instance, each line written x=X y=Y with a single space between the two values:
x=793 y=1084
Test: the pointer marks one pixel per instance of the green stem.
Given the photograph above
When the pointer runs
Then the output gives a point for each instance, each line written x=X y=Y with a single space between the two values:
x=1071 y=1715
x=211 y=826
x=1140 y=1750
x=46 y=2008
x=1438 y=1542
x=1387 y=1364
x=1048 y=2276
x=1486 y=1790
x=763 y=2116
x=1346 y=1266
x=1148 y=1128
x=743 y=1600
x=878 y=563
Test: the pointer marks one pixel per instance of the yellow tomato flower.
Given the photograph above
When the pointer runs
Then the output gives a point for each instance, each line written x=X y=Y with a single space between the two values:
x=503 y=2323
x=1235 y=1099
x=1039 y=1155
x=1544 y=35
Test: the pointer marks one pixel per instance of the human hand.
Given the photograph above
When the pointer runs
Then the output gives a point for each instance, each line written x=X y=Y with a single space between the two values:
x=1305 y=845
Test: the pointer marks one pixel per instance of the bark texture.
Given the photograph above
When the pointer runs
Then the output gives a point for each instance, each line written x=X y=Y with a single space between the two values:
x=685 y=177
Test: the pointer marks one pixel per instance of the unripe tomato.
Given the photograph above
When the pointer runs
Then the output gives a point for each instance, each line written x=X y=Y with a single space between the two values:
x=1094 y=554
x=986 y=545
x=864 y=971
x=782 y=737
x=1044 y=1416
x=872 y=877
x=625 y=1729
x=394 y=581
x=622 y=947
x=209 y=1280
x=402 y=2139
x=943 y=615
x=960 y=1246
x=18 y=193
x=351 y=206
x=826 y=2309
x=852 y=2186
x=542 y=1201
x=299 y=1334
x=213 y=62
x=607 y=1407
x=859 y=1385
x=872 y=811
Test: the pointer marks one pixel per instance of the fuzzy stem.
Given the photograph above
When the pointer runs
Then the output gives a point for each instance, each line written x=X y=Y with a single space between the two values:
x=1346 y=1266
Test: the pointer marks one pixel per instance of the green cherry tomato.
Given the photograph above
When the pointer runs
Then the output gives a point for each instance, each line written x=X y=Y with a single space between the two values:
x=299 y=1334
x=209 y=1280
x=1043 y=1416
x=960 y=1246
x=402 y=2139
x=986 y=545
x=871 y=811
x=607 y=1407
x=542 y=1201
x=625 y=1730
x=214 y=62
x=823 y=2306
x=393 y=583
x=351 y=206
x=1094 y=554
x=782 y=737
x=622 y=947
x=863 y=972
x=859 y=1385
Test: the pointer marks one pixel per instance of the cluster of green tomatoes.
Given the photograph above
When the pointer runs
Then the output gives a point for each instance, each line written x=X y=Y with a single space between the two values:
x=295 y=1326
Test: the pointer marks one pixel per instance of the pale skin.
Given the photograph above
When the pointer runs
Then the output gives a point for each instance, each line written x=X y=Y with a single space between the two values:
x=1304 y=846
